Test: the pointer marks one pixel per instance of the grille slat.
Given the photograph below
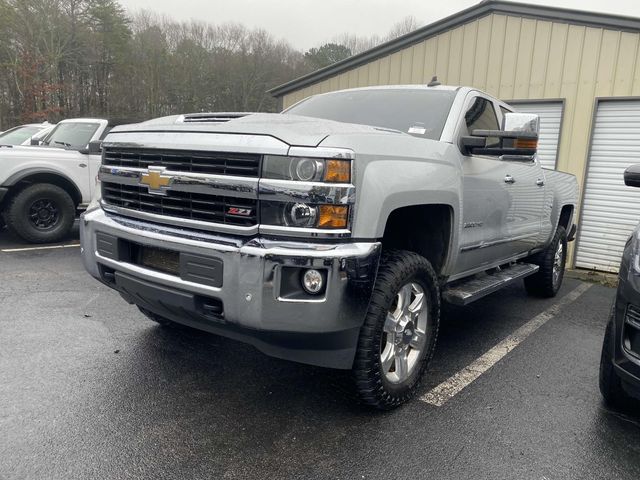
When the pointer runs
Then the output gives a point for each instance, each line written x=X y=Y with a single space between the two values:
x=190 y=206
x=217 y=163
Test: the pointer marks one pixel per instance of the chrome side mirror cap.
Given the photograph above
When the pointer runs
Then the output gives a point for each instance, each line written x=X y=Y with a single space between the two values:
x=521 y=122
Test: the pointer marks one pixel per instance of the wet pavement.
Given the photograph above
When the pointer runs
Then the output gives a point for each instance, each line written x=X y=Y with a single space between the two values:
x=89 y=388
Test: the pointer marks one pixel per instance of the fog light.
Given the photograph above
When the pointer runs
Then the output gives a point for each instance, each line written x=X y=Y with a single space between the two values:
x=312 y=281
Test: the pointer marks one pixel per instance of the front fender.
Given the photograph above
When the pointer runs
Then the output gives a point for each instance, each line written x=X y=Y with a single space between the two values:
x=395 y=171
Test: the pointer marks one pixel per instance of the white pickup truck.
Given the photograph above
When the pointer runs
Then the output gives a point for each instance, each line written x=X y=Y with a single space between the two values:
x=43 y=187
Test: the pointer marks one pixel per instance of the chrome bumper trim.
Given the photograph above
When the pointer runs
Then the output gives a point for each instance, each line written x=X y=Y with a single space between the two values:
x=250 y=288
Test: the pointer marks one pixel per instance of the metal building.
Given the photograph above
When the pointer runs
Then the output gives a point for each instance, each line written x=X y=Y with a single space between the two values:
x=580 y=71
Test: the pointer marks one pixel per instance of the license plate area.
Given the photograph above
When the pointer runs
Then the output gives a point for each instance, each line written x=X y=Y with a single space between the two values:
x=190 y=267
x=166 y=261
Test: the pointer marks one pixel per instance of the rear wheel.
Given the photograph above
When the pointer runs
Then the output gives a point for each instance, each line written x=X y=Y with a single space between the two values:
x=399 y=334
x=41 y=213
x=548 y=280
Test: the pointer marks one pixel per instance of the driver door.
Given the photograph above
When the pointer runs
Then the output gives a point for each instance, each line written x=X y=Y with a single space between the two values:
x=487 y=199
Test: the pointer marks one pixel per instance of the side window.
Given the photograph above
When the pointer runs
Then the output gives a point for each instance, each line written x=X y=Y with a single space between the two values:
x=481 y=116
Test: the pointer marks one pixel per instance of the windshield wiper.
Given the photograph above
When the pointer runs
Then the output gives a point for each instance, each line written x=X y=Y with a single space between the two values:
x=62 y=143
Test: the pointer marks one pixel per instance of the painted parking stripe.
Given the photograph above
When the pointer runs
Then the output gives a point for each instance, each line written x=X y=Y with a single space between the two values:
x=29 y=249
x=444 y=392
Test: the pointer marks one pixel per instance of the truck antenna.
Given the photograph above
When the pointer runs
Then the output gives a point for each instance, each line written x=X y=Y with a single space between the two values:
x=434 y=82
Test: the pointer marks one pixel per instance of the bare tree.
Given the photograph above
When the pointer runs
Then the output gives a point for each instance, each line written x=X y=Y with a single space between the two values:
x=360 y=44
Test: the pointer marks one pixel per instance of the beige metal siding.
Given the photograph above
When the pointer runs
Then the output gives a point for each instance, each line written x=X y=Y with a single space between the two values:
x=513 y=57
x=611 y=210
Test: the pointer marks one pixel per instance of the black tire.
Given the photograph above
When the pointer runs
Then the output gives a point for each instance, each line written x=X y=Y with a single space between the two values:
x=544 y=283
x=610 y=383
x=49 y=199
x=397 y=268
x=162 y=321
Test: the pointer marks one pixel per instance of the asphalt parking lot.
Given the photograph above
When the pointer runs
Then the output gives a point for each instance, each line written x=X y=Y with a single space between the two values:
x=91 y=389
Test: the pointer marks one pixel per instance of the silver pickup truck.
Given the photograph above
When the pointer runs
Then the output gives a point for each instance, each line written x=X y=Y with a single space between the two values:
x=329 y=234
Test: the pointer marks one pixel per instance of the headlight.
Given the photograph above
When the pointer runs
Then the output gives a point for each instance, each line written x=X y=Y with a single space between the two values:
x=306 y=169
x=302 y=215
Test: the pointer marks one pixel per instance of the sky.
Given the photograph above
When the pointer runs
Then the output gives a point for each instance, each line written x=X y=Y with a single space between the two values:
x=309 y=23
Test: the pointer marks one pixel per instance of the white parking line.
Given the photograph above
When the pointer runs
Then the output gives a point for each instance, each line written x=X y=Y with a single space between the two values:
x=28 y=249
x=444 y=392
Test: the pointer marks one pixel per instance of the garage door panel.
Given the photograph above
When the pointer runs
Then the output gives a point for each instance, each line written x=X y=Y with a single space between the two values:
x=610 y=209
x=550 y=114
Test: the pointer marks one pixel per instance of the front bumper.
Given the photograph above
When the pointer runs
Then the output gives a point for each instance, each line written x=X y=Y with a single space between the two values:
x=320 y=331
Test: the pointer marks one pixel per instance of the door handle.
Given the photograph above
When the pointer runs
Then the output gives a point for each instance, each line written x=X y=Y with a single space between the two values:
x=540 y=182
x=509 y=179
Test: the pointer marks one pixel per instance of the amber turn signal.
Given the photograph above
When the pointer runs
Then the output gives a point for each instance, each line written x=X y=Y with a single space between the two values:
x=529 y=144
x=333 y=216
x=337 y=171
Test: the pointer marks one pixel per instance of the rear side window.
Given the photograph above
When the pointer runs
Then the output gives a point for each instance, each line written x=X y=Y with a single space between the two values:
x=481 y=116
x=504 y=111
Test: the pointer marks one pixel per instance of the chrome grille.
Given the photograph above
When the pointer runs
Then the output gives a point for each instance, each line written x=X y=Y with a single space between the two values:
x=183 y=205
x=217 y=163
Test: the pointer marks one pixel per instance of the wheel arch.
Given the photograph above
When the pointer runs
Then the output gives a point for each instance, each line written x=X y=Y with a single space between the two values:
x=566 y=217
x=32 y=176
x=425 y=229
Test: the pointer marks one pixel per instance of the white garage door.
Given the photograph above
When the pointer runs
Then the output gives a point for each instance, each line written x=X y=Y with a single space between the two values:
x=550 y=120
x=610 y=210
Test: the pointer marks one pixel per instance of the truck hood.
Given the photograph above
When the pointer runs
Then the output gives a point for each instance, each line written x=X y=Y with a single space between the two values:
x=36 y=152
x=294 y=130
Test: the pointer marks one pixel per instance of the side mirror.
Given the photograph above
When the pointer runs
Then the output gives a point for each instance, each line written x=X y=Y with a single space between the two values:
x=93 y=148
x=632 y=176
x=469 y=144
x=518 y=139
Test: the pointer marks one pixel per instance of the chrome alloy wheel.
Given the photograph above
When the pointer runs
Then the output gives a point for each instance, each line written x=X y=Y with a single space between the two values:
x=557 y=263
x=404 y=337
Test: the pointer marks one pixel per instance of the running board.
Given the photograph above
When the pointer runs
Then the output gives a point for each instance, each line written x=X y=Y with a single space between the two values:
x=481 y=285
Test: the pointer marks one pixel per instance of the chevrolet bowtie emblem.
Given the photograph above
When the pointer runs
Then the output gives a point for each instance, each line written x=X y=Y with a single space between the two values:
x=156 y=181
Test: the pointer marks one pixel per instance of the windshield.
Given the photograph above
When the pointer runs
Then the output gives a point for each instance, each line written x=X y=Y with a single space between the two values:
x=71 y=135
x=418 y=111
x=18 y=135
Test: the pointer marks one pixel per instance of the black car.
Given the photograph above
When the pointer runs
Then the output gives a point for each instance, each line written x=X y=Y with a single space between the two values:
x=620 y=361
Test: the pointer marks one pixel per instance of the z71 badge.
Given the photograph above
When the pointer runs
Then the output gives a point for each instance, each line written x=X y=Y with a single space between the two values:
x=243 y=212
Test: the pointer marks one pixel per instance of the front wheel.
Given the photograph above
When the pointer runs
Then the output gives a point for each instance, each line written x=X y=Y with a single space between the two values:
x=41 y=213
x=548 y=280
x=399 y=334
